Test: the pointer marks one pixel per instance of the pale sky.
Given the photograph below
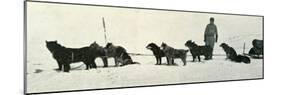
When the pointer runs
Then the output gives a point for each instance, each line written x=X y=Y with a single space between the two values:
x=78 y=26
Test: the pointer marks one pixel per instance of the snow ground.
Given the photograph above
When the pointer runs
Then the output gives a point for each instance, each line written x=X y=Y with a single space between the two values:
x=41 y=77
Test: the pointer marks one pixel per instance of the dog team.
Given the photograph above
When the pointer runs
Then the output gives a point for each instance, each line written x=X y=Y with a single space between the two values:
x=65 y=56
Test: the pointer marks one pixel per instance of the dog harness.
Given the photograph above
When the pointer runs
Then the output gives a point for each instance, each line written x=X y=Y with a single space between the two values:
x=72 y=56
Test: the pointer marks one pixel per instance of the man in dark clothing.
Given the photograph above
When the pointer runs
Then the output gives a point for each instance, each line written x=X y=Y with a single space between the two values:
x=211 y=35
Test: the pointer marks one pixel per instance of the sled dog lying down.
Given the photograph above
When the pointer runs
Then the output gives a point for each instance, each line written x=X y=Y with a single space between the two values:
x=119 y=54
x=232 y=55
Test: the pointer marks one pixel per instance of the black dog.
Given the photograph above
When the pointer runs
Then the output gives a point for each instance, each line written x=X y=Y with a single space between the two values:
x=65 y=56
x=242 y=58
x=230 y=52
x=119 y=54
x=172 y=53
x=111 y=51
x=125 y=59
x=157 y=52
x=100 y=52
x=232 y=55
x=196 y=50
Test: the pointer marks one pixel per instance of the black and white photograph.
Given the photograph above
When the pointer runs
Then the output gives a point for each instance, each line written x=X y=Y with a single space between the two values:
x=73 y=47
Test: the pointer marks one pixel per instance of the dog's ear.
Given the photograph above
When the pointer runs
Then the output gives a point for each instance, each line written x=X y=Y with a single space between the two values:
x=55 y=41
x=162 y=44
x=46 y=41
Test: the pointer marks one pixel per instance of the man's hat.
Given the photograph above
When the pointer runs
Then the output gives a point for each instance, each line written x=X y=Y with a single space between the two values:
x=212 y=19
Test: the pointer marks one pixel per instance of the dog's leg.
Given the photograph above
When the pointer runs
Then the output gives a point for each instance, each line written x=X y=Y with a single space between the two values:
x=167 y=59
x=156 y=60
x=66 y=67
x=94 y=65
x=91 y=63
x=207 y=56
x=88 y=63
x=199 y=58
x=173 y=63
x=59 y=65
x=160 y=60
x=126 y=62
x=193 y=58
x=227 y=57
x=184 y=60
x=105 y=62
x=171 y=60
x=116 y=62
x=87 y=66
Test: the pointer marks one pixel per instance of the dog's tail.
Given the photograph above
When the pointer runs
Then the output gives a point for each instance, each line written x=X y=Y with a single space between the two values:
x=135 y=63
x=242 y=58
x=131 y=63
x=246 y=60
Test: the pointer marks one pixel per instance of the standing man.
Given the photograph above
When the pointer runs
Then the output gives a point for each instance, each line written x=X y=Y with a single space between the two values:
x=211 y=35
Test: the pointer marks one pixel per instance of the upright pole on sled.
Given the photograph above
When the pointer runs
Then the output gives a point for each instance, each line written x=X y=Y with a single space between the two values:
x=104 y=30
x=244 y=48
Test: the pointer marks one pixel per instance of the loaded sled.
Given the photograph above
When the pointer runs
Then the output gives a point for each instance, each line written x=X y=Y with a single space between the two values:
x=257 y=50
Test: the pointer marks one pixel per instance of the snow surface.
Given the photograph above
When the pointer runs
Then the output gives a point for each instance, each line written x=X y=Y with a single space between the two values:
x=138 y=75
